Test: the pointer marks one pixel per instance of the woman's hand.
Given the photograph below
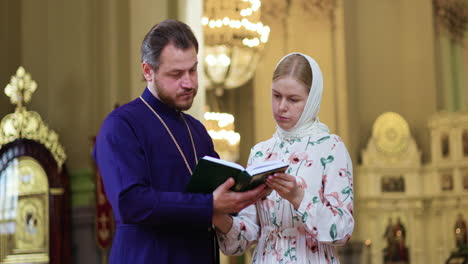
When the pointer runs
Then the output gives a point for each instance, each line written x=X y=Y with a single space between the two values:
x=286 y=186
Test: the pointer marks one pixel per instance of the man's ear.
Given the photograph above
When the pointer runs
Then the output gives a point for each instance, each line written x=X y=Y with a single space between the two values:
x=148 y=72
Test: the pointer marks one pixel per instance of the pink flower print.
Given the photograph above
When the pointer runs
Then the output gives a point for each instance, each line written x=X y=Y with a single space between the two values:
x=337 y=198
x=327 y=258
x=301 y=182
x=242 y=226
x=333 y=210
x=324 y=180
x=350 y=208
x=277 y=254
x=309 y=206
x=314 y=231
x=296 y=158
x=322 y=197
x=301 y=230
x=309 y=163
x=268 y=203
x=343 y=172
x=347 y=238
x=271 y=156
x=312 y=243
x=294 y=240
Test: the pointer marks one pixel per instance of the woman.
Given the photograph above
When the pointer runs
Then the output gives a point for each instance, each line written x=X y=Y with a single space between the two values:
x=310 y=208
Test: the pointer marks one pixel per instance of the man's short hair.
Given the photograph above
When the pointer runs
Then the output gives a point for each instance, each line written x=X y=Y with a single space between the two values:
x=167 y=32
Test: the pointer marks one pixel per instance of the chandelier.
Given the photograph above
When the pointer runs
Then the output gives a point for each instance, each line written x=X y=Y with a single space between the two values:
x=234 y=39
x=220 y=127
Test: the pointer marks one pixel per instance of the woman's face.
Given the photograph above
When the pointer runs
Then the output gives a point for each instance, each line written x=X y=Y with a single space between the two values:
x=288 y=101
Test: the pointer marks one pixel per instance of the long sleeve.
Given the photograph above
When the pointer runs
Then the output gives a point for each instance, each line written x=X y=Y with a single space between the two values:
x=243 y=233
x=328 y=216
x=123 y=164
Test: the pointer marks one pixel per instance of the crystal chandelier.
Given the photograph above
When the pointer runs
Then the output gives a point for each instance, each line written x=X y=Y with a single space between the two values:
x=220 y=126
x=234 y=39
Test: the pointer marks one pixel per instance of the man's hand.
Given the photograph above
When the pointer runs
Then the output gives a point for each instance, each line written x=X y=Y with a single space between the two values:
x=226 y=201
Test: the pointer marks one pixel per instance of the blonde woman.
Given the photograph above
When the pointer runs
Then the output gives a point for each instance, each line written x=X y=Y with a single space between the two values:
x=310 y=208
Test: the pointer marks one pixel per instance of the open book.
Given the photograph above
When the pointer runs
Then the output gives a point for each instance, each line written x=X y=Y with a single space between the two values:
x=212 y=172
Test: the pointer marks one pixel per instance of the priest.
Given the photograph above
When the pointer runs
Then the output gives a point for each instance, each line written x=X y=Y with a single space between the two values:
x=146 y=151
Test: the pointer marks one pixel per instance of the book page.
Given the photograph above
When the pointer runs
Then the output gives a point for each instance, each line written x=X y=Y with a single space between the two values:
x=224 y=162
x=265 y=166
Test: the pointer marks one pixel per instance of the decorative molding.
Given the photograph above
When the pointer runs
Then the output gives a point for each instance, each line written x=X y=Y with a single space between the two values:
x=391 y=143
x=28 y=124
x=448 y=119
x=273 y=10
x=452 y=17
x=320 y=7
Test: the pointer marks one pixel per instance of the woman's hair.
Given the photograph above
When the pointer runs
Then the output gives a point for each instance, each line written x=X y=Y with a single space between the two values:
x=297 y=67
x=167 y=32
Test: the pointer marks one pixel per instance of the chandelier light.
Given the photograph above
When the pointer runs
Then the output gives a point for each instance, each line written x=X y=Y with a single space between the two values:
x=220 y=127
x=234 y=39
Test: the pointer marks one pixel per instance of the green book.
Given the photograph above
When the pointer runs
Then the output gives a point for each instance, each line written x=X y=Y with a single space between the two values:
x=211 y=172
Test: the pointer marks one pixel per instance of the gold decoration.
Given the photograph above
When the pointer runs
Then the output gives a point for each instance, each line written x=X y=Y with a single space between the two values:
x=26 y=239
x=57 y=191
x=275 y=10
x=320 y=7
x=452 y=16
x=234 y=39
x=391 y=133
x=21 y=87
x=27 y=124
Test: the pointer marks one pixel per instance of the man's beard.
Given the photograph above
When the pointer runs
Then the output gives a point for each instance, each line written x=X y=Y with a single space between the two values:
x=171 y=101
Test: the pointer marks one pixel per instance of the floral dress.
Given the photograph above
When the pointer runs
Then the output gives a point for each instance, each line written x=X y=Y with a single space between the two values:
x=322 y=166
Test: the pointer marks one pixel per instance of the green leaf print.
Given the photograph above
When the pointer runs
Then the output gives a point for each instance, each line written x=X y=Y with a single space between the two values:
x=324 y=161
x=347 y=190
x=333 y=231
x=258 y=154
x=322 y=139
x=274 y=221
x=281 y=144
x=291 y=252
x=340 y=211
x=304 y=217
x=289 y=170
x=315 y=199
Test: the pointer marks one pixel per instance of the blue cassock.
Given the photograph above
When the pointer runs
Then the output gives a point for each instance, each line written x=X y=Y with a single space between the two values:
x=145 y=177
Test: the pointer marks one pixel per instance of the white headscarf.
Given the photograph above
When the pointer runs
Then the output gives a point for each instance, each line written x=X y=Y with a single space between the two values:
x=308 y=124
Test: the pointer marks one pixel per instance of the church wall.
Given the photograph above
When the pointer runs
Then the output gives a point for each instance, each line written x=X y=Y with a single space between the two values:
x=143 y=15
x=9 y=48
x=390 y=51
x=263 y=116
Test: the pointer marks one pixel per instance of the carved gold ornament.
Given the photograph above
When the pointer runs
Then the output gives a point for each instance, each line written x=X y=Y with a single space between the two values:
x=452 y=17
x=26 y=241
x=391 y=133
x=274 y=10
x=27 y=124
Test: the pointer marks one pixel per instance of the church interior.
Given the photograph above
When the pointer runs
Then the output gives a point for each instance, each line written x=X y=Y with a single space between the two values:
x=395 y=90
